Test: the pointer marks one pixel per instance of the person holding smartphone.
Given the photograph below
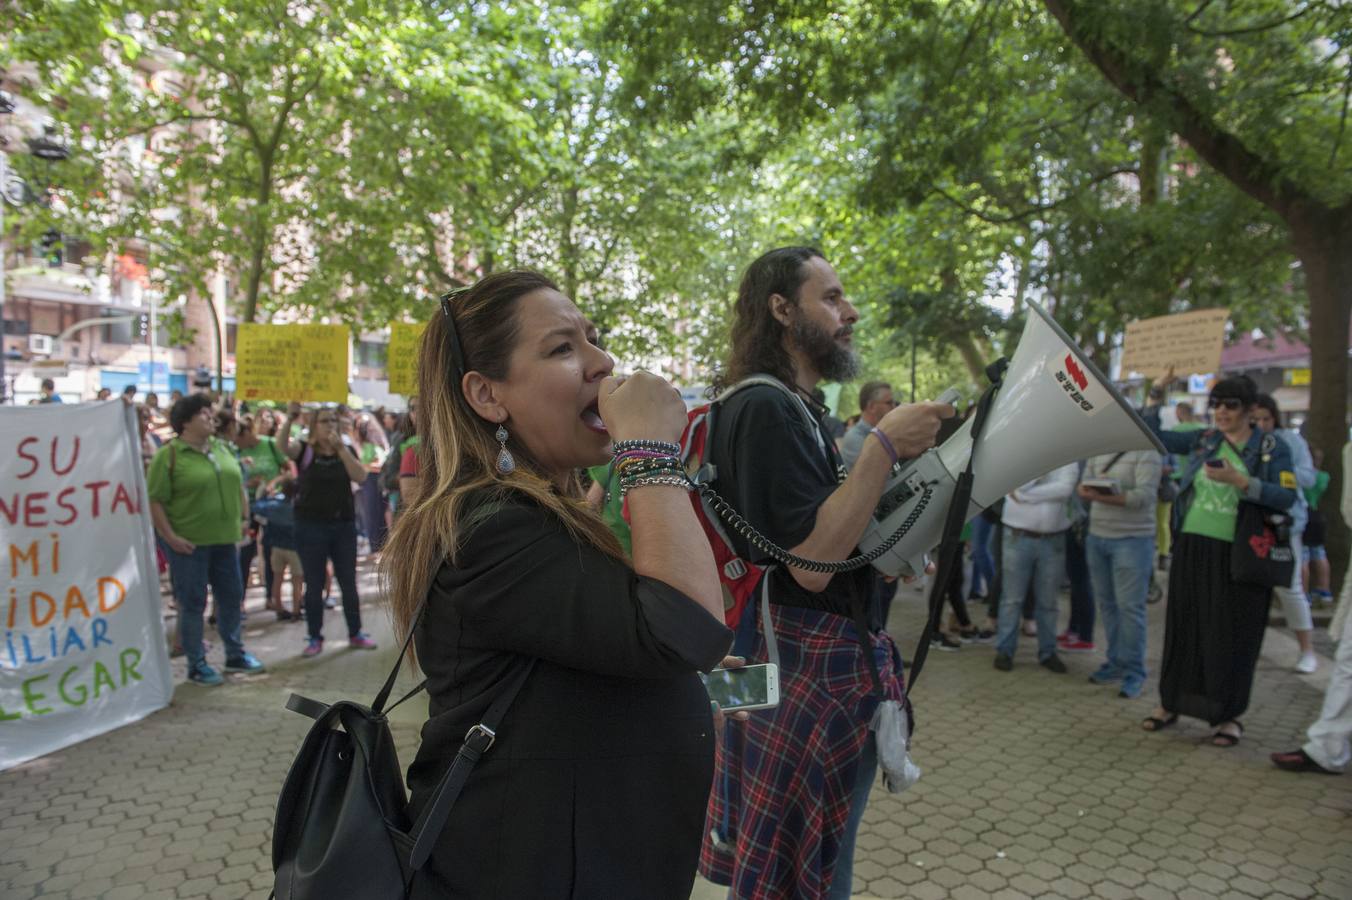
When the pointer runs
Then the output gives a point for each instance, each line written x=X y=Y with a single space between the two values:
x=1120 y=489
x=595 y=785
x=1214 y=624
x=326 y=520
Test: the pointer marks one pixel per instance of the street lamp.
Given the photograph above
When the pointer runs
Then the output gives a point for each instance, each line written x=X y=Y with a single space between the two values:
x=50 y=147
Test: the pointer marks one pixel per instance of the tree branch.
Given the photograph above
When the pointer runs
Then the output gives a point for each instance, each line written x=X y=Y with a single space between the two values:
x=1342 y=117
x=1036 y=208
x=1247 y=170
x=1250 y=29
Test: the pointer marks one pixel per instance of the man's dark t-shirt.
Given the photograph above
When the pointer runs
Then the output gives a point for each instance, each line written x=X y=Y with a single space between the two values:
x=776 y=473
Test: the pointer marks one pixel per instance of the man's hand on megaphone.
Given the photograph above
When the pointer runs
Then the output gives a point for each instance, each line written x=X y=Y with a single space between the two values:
x=913 y=427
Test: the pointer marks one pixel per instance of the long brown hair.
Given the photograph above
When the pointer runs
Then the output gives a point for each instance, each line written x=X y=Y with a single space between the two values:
x=757 y=336
x=458 y=453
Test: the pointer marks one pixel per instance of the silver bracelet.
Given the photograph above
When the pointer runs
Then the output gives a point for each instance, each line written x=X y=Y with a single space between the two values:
x=664 y=480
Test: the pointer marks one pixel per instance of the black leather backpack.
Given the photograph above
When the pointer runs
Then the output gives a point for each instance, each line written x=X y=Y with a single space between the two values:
x=343 y=827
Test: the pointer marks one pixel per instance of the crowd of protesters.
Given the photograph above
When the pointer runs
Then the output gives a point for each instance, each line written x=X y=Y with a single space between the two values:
x=284 y=496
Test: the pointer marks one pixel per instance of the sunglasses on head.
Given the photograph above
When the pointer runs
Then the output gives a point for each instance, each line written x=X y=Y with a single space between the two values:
x=457 y=352
x=1234 y=404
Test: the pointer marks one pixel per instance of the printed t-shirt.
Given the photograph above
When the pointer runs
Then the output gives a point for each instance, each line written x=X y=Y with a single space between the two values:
x=263 y=459
x=202 y=495
x=325 y=490
x=1214 y=505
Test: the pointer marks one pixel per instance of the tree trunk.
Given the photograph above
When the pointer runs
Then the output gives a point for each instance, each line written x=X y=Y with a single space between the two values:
x=1324 y=244
x=971 y=357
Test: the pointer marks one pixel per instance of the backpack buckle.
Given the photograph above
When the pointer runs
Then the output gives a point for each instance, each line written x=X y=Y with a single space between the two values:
x=480 y=733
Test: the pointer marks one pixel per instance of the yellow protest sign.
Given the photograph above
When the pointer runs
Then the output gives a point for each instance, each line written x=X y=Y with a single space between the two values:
x=1188 y=342
x=306 y=363
x=401 y=360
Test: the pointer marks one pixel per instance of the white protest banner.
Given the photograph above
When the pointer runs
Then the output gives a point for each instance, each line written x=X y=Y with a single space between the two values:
x=84 y=649
x=1189 y=343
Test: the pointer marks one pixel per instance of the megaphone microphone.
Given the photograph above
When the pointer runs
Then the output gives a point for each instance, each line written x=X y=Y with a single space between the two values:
x=1052 y=407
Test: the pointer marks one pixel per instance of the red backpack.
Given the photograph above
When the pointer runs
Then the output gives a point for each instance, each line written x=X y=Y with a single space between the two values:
x=737 y=577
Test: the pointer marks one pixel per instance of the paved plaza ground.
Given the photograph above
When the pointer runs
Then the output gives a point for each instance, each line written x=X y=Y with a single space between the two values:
x=1035 y=785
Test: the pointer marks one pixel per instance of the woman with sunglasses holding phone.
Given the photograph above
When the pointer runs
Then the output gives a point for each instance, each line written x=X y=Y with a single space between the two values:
x=326 y=521
x=1214 y=625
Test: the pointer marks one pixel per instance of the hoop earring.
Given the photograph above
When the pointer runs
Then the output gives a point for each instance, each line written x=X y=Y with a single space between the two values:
x=506 y=465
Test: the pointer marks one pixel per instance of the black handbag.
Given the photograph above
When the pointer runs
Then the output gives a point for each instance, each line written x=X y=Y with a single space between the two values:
x=1261 y=553
x=343 y=827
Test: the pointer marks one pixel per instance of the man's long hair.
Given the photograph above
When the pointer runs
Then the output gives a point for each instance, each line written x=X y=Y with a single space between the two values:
x=757 y=336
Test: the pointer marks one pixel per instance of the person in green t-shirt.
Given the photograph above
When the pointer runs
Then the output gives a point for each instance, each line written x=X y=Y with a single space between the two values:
x=199 y=508
x=1315 y=563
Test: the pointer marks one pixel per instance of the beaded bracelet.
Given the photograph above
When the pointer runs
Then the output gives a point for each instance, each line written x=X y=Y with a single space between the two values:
x=646 y=465
x=633 y=474
x=665 y=447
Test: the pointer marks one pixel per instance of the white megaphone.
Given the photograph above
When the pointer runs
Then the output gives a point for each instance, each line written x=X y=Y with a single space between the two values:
x=1054 y=407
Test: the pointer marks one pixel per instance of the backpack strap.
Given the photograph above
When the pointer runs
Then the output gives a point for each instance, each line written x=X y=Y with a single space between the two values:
x=477 y=742
x=771 y=381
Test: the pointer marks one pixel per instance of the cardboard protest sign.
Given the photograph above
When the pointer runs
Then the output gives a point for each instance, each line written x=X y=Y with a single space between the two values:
x=306 y=363
x=1189 y=342
x=84 y=646
x=401 y=361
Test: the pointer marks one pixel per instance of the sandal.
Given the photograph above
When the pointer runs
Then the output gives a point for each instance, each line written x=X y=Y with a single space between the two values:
x=1150 y=723
x=1226 y=740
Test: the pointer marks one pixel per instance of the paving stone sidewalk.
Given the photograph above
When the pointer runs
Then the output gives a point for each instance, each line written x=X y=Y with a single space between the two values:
x=1035 y=785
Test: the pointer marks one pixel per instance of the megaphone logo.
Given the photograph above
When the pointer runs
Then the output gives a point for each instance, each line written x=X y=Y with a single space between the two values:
x=1072 y=377
x=1026 y=435
x=1076 y=373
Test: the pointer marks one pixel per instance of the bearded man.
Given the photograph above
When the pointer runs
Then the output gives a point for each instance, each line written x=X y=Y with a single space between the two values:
x=792 y=782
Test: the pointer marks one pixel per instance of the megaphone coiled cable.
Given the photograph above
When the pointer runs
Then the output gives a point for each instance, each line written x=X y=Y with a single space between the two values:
x=724 y=511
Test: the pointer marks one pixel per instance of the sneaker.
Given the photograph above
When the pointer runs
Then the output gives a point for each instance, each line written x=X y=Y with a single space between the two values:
x=330 y=602
x=1076 y=645
x=1003 y=663
x=1131 y=689
x=1307 y=663
x=984 y=635
x=1030 y=628
x=1105 y=674
x=361 y=641
x=204 y=675
x=943 y=642
x=968 y=635
x=313 y=647
x=246 y=663
x=1053 y=664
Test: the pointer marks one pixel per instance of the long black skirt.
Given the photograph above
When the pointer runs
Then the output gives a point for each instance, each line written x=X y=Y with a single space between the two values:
x=1213 y=632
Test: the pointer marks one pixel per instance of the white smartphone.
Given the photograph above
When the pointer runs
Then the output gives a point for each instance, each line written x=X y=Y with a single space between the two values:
x=747 y=687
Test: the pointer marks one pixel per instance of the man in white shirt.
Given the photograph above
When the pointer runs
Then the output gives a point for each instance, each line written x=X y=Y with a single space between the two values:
x=1035 y=521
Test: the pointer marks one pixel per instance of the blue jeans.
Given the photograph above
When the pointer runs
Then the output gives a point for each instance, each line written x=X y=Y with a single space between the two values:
x=1030 y=562
x=1120 y=569
x=1081 y=596
x=842 y=878
x=983 y=564
x=316 y=544
x=216 y=565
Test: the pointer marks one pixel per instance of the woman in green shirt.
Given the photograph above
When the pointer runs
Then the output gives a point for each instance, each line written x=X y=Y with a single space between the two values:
x=1214 y=625
x=198 y=506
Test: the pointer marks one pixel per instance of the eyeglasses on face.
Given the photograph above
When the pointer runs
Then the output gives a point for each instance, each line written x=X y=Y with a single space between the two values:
x=1234 y=404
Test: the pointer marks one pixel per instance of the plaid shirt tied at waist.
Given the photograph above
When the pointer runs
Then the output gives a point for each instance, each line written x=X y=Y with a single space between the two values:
x=783 y=779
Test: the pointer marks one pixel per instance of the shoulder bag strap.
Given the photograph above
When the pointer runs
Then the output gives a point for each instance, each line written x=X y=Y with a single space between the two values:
x=477 y=742
x=1112 y=462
